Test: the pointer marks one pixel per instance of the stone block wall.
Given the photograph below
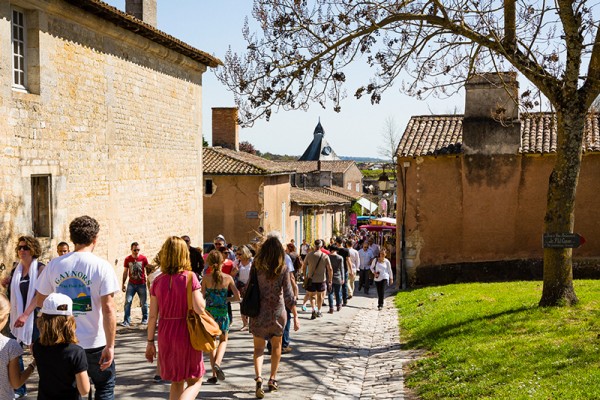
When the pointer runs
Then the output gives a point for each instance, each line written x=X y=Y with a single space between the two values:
x=116 y=123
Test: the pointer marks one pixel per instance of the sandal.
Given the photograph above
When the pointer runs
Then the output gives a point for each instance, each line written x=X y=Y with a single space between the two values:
x=273 y=386
x=212 y=380
x=260 y=393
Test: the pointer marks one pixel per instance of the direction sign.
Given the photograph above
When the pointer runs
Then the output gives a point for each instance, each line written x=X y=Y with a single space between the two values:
x=562 y=240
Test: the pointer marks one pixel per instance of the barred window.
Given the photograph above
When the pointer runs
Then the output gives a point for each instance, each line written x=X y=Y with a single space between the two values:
x=41 y=202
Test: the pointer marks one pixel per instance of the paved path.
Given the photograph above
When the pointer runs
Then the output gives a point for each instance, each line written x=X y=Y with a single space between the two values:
x=351 y=354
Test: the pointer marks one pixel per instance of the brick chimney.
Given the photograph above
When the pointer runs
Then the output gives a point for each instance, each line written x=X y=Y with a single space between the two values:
x=144 y=10
x=491 y=124
x=225 y=129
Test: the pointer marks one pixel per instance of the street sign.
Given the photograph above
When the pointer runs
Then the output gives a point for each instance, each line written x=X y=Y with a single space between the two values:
x=562 y=240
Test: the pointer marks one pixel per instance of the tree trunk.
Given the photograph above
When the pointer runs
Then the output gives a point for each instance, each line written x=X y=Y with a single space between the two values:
x=558 y=264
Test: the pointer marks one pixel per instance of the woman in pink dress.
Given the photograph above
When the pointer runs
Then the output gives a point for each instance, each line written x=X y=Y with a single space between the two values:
x=179 y=362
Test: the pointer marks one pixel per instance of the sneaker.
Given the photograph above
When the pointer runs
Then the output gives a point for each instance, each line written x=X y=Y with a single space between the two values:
x=379 y=308
x=314 y=315
x=339 y=307
x=345 y=303
x=286 y=350
x=304 y=308
x=145 y=322
x=157 y=379
x=319 y=314
x=331 y=310
x=20 y=395
x=124 y=324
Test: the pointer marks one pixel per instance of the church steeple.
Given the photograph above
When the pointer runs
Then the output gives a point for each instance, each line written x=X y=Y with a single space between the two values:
x=318 y=149
x=319 y=129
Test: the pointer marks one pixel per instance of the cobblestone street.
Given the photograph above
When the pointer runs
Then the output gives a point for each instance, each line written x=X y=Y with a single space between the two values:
x=351 y=354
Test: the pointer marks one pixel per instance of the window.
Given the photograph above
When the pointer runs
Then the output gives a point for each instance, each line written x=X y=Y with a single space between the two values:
x=41 y=202
x=208 y=187
x=358 y=187
x=349 y=186
x=18 y=48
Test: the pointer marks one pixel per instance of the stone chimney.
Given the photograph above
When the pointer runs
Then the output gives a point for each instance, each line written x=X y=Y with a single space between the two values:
x=144 y=10
x=225 y=129
x=491 y=124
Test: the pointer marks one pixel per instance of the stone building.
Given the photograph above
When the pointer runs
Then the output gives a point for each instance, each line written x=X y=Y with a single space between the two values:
x=242 y=192
x=476 y=187
x=101 y=115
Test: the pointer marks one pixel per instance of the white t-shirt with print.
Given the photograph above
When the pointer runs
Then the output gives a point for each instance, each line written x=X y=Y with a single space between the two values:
x=85 y=278
x=9 y=350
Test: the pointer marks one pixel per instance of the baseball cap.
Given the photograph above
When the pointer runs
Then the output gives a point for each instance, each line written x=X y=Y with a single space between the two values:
x=55 y=304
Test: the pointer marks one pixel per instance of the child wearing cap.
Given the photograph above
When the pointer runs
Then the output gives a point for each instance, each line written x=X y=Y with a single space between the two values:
x=62 y=364
x=11 y=376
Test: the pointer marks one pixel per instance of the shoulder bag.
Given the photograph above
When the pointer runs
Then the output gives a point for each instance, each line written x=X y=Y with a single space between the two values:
x=250 y=305
x=308 y=281
x=203 y=329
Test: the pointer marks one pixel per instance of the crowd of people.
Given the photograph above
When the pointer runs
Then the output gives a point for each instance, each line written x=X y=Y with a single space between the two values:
x=65 y=311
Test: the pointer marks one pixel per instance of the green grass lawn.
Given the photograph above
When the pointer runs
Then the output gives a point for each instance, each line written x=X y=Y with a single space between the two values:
x=492 y=341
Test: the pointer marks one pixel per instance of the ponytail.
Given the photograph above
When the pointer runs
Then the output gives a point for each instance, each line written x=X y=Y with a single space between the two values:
x=215 y=261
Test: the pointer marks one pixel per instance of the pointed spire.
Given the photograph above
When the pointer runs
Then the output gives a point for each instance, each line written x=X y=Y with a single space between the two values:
x=319 y=129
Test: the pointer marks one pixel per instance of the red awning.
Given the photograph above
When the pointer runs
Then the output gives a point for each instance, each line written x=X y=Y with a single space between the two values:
x=378 y=228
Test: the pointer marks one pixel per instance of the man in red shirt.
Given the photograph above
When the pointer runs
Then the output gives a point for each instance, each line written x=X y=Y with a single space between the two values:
x=135 y=269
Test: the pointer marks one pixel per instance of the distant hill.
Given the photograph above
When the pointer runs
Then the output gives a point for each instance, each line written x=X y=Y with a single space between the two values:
x=362 y=159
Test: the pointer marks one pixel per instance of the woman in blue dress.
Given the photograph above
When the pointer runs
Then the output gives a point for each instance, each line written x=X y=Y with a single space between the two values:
x=214 y=288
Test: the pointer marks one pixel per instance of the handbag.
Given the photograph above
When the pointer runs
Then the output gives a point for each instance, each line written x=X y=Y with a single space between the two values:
x=308 y=281
x=250 y=305
x=203 y=328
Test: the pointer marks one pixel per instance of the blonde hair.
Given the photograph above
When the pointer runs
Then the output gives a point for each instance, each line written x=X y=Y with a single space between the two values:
x=246 y=253
x=56 y=329
x=174 y=256
x=215 y=262
x=34 y=246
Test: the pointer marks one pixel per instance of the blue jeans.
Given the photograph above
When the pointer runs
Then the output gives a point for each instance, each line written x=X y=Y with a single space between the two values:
x=336 y=289
x=104 y=381
x=285 y=341
x=141 y=291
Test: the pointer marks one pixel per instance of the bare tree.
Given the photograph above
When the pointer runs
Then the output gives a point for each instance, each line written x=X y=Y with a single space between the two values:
x=301 y=54
x=391 y=138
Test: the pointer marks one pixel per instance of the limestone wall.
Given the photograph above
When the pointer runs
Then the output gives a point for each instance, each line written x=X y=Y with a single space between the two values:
x=116 y=122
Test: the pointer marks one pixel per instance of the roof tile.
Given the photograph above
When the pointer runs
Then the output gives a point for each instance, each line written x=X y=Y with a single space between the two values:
x=442 y=134
x=221 y=161
x=313 y=196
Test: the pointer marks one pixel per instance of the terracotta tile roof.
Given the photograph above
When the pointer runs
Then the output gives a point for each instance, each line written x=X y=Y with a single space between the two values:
x=141 y=28
x=338 y=166
x=342 y=192
x=311 y=196
x=221 y=161
x=436 y=135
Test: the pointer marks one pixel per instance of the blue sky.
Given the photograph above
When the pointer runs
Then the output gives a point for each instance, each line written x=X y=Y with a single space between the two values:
x=214 y=25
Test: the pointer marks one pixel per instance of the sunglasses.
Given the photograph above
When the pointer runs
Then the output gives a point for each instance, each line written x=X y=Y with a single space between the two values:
x=136 y=250
x=26 y=248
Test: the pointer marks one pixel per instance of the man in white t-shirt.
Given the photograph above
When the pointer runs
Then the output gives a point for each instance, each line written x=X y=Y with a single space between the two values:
x=355 y=259
x=91 y=283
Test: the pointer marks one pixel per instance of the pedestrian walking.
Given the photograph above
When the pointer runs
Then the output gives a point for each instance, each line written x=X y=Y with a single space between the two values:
x=61 y=363
x=242 y=275
x=382 y=269
x=134 y=268
x=91 y=284
x=318 y=271
x=12 y=376
x=21 y=292
x=353 y=271
x=215 y=288
x=276 y=293
x=366 y=257
x=180 y=362
x=335 y=288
